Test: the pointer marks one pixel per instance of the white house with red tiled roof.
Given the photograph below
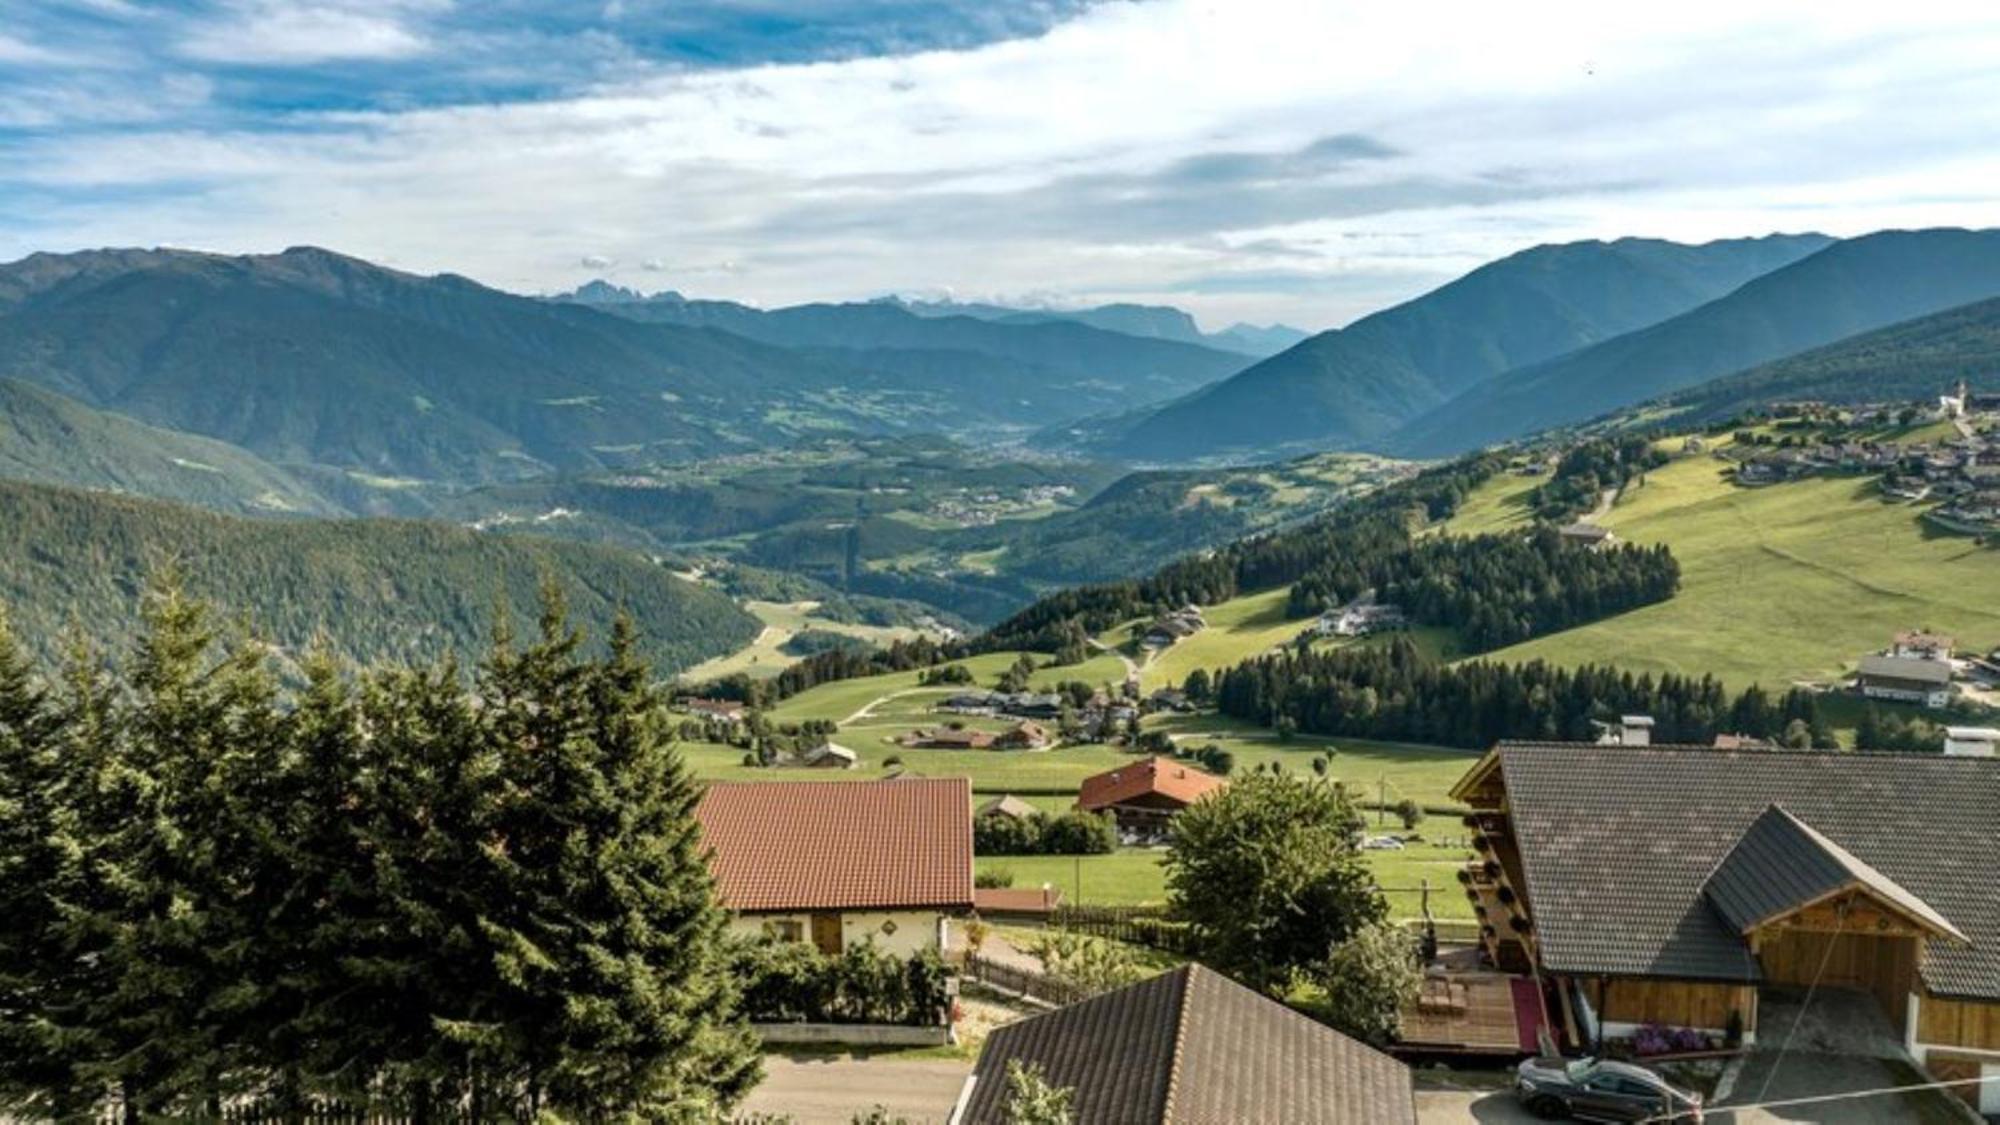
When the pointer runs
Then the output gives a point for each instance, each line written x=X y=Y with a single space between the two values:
x=837 y=864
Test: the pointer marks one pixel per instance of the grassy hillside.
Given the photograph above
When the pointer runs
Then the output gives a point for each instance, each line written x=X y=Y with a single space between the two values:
x=1850 y=287
x=1791 y=582
x=377 y=590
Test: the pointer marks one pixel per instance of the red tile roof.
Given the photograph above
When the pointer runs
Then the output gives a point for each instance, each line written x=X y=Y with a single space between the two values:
x=815 y=845
x=1162 y=776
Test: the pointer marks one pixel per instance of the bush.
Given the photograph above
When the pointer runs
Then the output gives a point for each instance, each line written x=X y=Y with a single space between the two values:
x=791 y=982
x=993 y=877
x=1072 y=833
x=1409 y=812
x=1369 y=978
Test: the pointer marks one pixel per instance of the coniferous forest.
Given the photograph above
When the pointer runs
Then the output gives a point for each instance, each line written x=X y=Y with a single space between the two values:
x=434 y=892
x=1396 y=693
x=1496 y=590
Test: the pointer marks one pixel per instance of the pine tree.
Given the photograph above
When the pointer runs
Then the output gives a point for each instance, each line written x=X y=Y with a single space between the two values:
x=36 y=860
x=604 y=936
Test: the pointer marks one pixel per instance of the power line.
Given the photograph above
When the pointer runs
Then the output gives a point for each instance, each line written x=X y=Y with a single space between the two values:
x=1805 y=1006
x=1819 y=1099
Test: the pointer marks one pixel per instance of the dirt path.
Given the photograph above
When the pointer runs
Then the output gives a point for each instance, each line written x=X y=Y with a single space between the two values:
x=869 y=707
x=1131 y=667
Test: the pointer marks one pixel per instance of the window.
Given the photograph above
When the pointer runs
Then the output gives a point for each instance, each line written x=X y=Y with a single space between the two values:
x=785 y=929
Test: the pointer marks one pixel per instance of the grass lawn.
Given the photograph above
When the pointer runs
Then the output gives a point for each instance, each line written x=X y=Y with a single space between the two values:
x=1237 y=630
x=1782 y=584
x=1499 y=504
x=840 y=701
x=1370 y=769
x=765 y=655
x=1135 y=877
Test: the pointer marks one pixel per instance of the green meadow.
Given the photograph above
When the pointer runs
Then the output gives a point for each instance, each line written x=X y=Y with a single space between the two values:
x=1782 y=584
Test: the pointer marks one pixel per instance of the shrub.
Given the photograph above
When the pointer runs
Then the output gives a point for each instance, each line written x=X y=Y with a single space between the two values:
x=791 y=982
x=993 y=877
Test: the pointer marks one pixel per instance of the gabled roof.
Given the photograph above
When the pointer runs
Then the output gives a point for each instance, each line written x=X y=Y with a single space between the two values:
x=1008 y=805
x=823 y=845
x=1150 y=776
x=1193 y=1046
x=1670 y=816
x=1916 y=668
x=1782 y=865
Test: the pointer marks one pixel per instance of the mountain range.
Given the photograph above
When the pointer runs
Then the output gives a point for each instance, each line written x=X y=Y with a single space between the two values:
x=309 y=358
x=1352 y=387
x=1909 y=362
x=1849 y=287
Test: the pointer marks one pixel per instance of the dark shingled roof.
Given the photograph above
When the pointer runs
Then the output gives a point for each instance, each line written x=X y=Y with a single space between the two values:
x=1619 y=842
x=1194 y=1046
x=1782 y=865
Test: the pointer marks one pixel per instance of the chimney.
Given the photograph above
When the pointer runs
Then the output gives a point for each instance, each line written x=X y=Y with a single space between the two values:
x=1635 y=730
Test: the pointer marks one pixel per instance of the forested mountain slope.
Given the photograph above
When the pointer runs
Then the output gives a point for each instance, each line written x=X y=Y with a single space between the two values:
x=1909 y=362
x=1348 y=387
x=48 y=438
x=375 y=589
x=1850 y=287
x=308 y=356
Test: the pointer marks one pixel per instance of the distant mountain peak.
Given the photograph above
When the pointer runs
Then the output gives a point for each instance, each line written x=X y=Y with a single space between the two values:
x=598 y=291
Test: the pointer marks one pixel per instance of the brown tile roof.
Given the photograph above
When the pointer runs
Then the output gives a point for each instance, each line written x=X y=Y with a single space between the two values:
x=813 y=845
x=1162 y=776
x=1193 y=1046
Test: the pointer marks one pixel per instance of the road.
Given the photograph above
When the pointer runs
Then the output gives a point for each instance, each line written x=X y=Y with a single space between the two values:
x=811 y=1090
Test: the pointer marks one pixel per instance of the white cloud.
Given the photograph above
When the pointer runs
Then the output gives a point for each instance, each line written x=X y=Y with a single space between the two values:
x=286 y=32
x=20 y=52
x=1143 y=151
x=594 y=262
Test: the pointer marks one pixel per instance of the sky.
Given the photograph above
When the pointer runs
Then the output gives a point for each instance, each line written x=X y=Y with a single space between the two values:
x=1258 y=160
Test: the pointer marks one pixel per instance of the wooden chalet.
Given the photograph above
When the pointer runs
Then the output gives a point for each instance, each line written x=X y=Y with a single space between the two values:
x=1670 y=885
x=1144 y=796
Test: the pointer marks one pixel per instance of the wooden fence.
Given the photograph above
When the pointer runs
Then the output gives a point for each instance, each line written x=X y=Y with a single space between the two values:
x=1023 y=982
x=1137 y=925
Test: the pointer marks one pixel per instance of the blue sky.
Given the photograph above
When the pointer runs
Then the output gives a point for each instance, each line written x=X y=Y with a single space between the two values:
x=1303 y=160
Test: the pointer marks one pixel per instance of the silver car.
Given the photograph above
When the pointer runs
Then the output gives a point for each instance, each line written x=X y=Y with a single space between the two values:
x=1601 y=1090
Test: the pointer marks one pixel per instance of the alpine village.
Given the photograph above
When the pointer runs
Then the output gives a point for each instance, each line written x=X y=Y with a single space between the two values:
x=960 y=655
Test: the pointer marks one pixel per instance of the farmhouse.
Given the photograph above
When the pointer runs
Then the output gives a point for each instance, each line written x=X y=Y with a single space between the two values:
x=830 y=756
x=945 y=738
x=1008 y=806
x=1024 y=735
x=1588 y=535
x=1922 y=680
x=1191 y=1046
x=718 y=710
x=1742 y=870
x=887 y=862
x=1144 y=796
x=1921 y=645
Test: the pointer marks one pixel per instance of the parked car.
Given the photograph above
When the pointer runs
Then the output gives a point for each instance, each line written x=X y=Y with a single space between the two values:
x=1382 y=844
x=1601 y=1090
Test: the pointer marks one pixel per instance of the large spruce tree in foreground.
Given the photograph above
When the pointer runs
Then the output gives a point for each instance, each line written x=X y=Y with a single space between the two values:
x=394 y=888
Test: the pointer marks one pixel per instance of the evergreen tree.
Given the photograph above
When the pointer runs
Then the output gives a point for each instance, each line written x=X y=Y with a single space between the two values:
x=36 y=863
x=604 y=937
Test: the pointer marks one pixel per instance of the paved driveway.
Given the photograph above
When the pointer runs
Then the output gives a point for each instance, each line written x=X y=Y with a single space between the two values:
x=831 y=1090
